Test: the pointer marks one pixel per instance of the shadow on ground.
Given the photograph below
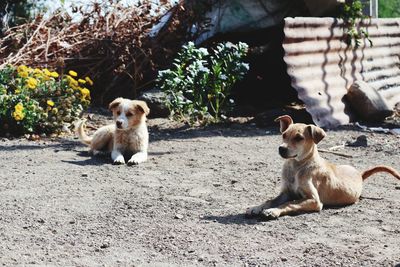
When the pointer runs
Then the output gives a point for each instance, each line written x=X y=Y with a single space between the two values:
x=231 y=219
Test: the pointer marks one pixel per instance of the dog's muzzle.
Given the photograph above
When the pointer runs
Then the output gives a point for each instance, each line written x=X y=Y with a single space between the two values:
x=284 y=153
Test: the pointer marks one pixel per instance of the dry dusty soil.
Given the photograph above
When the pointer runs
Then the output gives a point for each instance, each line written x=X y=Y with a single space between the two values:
x=59 y=206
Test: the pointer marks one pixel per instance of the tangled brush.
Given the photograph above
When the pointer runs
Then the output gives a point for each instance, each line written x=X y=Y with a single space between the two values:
x=109 y=44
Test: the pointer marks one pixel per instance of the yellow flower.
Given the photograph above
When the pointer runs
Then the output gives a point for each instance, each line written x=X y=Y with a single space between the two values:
x=70 y=78
x=54 y=74
x=82 y=81
x=89 y=80
x=23 y=74
x=47 y=72
x=17 y=91
x=37 y=72
x=85 y=93
x=73 y=73
x=31 y=82
x=73 y=83
x=22 y=68
x=19 y=107
x=50 y=103
x=18 y=115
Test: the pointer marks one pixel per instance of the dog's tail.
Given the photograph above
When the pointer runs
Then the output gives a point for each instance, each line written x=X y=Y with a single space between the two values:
x=380 y=168
x=82 y=134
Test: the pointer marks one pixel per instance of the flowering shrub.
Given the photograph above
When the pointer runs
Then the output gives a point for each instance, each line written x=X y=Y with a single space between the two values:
x=40 y=100
x=199 y=84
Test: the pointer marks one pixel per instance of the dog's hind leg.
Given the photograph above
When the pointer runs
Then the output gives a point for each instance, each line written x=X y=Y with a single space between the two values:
x=279 y=200
x=102 y=141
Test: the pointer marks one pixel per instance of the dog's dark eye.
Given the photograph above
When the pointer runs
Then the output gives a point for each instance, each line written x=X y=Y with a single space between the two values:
x=298 y=138
x=118 y=112
x=128 y=114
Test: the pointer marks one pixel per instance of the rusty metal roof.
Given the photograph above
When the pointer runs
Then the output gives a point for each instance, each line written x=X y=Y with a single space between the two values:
x=322 y=67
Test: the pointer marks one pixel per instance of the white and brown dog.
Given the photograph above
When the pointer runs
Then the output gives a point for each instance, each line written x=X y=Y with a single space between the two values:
x=308 y=181
x=128 y=136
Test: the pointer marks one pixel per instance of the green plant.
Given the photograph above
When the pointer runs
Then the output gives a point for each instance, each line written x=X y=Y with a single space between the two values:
x=389 y=8
x=39 y=100
x=351 y=13
x=199 y=84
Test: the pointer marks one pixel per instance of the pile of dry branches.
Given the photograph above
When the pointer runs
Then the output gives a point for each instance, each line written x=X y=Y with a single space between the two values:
x=109 y=44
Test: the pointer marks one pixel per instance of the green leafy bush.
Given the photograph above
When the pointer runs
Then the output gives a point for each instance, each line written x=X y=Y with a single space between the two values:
x=199 y=84
x=40 y=101
x=351 y=13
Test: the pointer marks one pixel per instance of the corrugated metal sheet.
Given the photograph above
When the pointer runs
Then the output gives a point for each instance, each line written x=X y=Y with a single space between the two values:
x=322 y=67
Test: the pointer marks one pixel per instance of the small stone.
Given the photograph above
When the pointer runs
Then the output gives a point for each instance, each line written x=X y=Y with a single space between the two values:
x=178 y=216
x=84 y=175
x=105 y=245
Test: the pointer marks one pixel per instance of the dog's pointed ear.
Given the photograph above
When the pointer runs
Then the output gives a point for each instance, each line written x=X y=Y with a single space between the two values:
x=285 y=121
x=317 y=134
x=142 y=107
x=115 y=103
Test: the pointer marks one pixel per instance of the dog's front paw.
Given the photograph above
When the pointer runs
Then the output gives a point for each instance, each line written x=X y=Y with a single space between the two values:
x=117 y=157
x=253 y=211
x=137 y=158
x=270 y=214
x=133 y=161
x=119 y=161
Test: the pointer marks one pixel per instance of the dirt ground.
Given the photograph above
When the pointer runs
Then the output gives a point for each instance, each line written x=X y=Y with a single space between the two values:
x=59 y=206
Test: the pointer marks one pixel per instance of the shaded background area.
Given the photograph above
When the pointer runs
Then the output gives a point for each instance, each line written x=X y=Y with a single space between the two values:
x=113 y=43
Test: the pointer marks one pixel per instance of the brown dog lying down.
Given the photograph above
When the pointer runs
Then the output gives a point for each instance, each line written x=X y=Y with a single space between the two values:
x=128 y=136
x=308 y=181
